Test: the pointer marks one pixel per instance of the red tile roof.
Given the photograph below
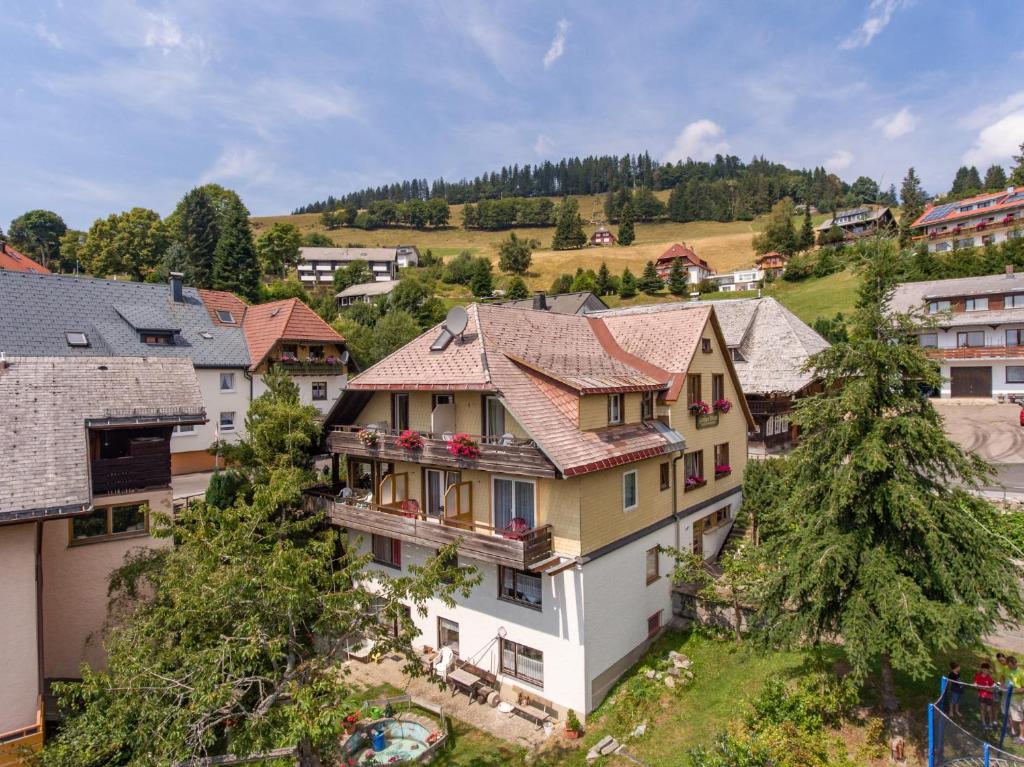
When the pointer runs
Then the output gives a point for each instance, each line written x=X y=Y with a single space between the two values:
x=18 y=262
x=1001 y=202
x=224 y=301
x=288 y=320
x=681 y=250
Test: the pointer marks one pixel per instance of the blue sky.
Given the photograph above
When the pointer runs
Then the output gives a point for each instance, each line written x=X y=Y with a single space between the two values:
x=110 y=104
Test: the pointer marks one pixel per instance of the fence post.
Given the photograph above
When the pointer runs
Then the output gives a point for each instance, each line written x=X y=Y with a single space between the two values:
x=1006 y=713
x=931 y=735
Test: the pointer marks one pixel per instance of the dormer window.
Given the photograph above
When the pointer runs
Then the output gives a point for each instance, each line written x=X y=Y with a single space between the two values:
x=976 y=304
x=158 y=339
x=614 y=409
x=225 y=316
x=647 y=406
x=77 y=339
x=935 y=307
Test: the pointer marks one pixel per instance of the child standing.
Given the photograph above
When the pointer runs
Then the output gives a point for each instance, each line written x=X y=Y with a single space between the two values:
x=986 y=700
x=956 y=690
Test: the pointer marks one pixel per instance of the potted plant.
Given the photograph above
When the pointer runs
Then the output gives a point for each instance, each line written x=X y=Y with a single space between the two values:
x=351 y=722
x=722 y=405
x=464 y=446
x=694 y=482
x=699 y=407
x=573 y=728
x=369 y=437
x=722 y=470
x=410 y=440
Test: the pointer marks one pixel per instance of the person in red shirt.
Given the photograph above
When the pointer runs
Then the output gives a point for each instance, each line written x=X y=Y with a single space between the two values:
x=986 y=700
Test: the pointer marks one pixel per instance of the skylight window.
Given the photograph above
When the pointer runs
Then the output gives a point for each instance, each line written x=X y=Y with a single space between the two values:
x=225 y=316
x=77 y=339
x=205 y=334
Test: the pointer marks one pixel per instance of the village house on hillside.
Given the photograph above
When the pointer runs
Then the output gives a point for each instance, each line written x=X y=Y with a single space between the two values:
x=769 y=346
x=772 y=263
x=229 y=343
x=317 y=265
x=12 y=260
x=560 y=303
x=976 y=331
x=977 y=221
x=560 y=474
x=602 y=237
x=365 y=292
x=859 y=222
x=697 y=269
x=743 y=279
x=86 y=445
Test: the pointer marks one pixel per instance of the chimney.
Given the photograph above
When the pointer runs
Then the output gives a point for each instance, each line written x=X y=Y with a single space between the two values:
x=540 y=301
x=1011 y=189
x=176 y=287
x=1009 y=272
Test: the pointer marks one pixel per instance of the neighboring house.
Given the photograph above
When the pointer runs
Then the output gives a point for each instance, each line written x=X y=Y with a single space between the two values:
x=317 y=265
x=291 y=335
x=769 y=346
x=14 y=261
x=697 y=269
x=977 y=332
x=365 y=293
x=773 y=263
x=602 y=237
x=560 y=303
x=86 y=460
x=745 y=279
x=859 y=222
x=63 y=316
x=586 y=460
x=974 y=222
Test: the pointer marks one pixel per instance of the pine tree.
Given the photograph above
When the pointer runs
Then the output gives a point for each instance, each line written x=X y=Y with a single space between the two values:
x=650 y=283
x=604 y=280
x=628 y=286
x=912 y=197
x=806 y=238
x=481 y=283
x=627 y=231
x=995 y=179
x=881 y=540
x=516 y=289
x=198 y=234
x=569 y=226
x=1017 y=173
x=678 y=284
x=236 y=267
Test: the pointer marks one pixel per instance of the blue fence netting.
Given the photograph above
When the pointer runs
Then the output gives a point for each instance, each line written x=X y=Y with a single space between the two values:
x=974 y=726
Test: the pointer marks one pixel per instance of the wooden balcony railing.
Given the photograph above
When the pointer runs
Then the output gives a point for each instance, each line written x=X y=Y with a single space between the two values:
x=476 y=540
x=310 y=367
x=112 y=476
x=988 y=351
x=16 y=743
x=1006 y=222
x=506 y=455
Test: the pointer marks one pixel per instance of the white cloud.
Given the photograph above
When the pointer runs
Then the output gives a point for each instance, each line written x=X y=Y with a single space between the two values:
x=557 y=45
x=880 y=13
x=289 y=98
x=896 y=125
x=841 y=159
x=997 y=142
x=700 y=140
x=240 y=164
x=986 y=114
x=543 y=145
x=47 y=36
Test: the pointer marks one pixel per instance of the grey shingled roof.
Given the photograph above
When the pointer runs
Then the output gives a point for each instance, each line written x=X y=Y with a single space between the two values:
x=562 y=303
x=378 y=288
x=909 y=296
x=773 y=342
x=873 y=215
x=37 y=310
x=45 y=403
x=312 y=253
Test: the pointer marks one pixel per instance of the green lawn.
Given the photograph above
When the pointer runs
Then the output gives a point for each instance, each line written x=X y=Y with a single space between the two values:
x=817 y=296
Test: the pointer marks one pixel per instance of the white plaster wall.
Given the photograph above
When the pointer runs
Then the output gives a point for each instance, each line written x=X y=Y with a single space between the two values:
x=75 y=580
x=215 y=401
x=19 y=671
x=712 y=541
x=999 y=384
x=335 y=386
x=556 y=629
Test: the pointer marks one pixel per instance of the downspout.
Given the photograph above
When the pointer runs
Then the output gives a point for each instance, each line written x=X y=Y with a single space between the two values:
x=675 y=491
x=41 y=671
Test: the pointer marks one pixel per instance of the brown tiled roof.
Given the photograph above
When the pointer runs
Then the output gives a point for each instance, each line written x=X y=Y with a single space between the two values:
x=225 y=301
x=683 y=251
x=286 y=320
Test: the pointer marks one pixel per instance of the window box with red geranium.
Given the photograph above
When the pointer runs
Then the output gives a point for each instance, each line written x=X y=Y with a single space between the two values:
x=722 y=405
x=464 y=446
x=692 y=483
x=410 y=440
x=369 y=437
x=722 y=470
x=699 y=407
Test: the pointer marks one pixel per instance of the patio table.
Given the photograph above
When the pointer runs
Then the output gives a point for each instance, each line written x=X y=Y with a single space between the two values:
x=465 y=681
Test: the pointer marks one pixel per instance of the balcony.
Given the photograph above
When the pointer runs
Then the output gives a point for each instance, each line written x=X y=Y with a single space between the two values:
x=528 y=549
x=500 y=454
x=988 y=351
x=1006 y=222
x=310 y=367
x=148 y=464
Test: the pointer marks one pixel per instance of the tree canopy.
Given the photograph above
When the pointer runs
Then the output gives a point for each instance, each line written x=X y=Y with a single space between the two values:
x=236 y=267
x=132 y=243
x=37 y=234
x=568 y=226
x=515 y=254
x=278 y=248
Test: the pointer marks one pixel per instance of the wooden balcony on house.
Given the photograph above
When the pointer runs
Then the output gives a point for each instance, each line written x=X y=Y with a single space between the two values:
x=147 y=465
x=17 y=744
x=1008 y=221
x=989 y=351
x=522 y=549
x=502 y=454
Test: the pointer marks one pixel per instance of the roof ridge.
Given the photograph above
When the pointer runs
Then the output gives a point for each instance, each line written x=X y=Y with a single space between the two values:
x=483 y=342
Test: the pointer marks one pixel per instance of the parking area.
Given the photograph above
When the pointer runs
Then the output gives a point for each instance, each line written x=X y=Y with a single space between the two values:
x=990 y=429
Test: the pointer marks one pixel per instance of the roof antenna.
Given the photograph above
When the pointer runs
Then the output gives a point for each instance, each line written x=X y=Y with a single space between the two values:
x=454 y=325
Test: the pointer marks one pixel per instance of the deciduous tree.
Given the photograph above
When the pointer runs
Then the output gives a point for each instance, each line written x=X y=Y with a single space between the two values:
x=779 y=233
x=278 y=248
x=132 y=243
x=1017 y=172
x=516 y=253
x=37 y=234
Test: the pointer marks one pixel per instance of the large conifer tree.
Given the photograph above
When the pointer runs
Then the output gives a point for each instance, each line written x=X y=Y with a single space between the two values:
x=881 y=541
x=912 y=198
x=198 y=234
x=677 y=279
x=236 y=267
x=569 y=226
x=627 y=231
x=650 y=282
x=806 y=237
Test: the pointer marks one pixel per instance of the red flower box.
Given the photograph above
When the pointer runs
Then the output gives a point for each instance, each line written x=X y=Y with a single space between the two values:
x=464 y=446
x=700 y=407
x=410 y=440
x=722 y=405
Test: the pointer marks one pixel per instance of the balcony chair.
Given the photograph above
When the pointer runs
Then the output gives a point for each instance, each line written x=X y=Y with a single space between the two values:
x=507 y=439
x=444 y=662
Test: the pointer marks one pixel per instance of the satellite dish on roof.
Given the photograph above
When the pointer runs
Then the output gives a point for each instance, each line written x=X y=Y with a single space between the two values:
x=456 y=320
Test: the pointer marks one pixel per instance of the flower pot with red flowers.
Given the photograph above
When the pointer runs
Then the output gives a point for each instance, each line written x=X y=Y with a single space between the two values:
x=722 y=470
x=722 y=405
x=410 y=440
x=573 y=728
x=464 y=446
x=369 y=437
x=692 y=483
x=699 y=407
x=351 y=723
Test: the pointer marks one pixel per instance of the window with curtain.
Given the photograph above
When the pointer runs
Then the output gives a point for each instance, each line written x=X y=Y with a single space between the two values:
x=513 y=499
x=647 y=406
x=434 y=492
x=519 y=586
x=494 y=417
x=717 y=386
x=522 y=662
x=694 y=464
x=400 y=411
x=387 y=551
x=692 y=389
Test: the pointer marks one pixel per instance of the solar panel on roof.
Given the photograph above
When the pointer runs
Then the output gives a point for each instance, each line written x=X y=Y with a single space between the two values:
x=1015 y=197
x=938 y=212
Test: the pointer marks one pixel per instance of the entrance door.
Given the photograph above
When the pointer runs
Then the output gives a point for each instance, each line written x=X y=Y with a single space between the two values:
x=448 y=635
x=698 y=537
x=971 y=382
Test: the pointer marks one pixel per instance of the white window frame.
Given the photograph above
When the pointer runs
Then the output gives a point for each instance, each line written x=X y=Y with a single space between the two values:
x=230 y=317
x=495 y=478
x=636 y=490
x=921 y=338
x=934 y=307
x=1014 y=301
x=312 y=391
x=231 y=378
x=184 y=430
x=976 y=305
x=616 y=404
x=220 y=420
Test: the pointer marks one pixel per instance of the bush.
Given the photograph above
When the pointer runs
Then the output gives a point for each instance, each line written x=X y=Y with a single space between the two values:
x=459 y=270
x=224 y=488
x=817 y=701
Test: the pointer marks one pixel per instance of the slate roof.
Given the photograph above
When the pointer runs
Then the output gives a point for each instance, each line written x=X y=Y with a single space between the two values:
x=873 y=214
x=45 y=403
x=774 y=343
x=37 y=310
x=377 y=288
x=347 y=254
x=287 y=320
x=913 y=295
x=561 y=303
x=18 y=262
